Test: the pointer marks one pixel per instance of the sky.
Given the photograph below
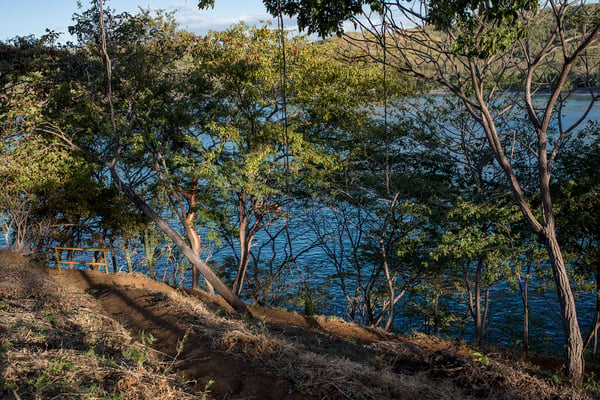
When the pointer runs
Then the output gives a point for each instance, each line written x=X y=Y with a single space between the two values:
x=32 y=17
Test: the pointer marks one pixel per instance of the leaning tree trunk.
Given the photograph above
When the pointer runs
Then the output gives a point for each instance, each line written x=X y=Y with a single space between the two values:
x=195 y=245
x=209 y=275
x=233 y=300
x=546 y=231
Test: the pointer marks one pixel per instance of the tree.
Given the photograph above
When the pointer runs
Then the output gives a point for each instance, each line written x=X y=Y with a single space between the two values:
x=111 y=100
x=474 y=50
x=261 y=161
x=22 y=160
x=28 y=169
x=246 y=163
x=49 y=196
x=378 y=225
x=151 y=243
x=480 y=235
x=479 y=245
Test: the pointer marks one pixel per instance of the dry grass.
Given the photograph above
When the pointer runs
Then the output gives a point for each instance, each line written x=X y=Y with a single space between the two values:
x=55 y=342
x=413 y=367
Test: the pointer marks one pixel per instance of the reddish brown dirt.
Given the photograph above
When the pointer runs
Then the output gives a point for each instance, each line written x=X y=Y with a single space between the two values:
x=138 y=303
x=144 y=306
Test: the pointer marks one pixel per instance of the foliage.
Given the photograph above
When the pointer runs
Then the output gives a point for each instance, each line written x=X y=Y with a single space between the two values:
x=577 y=198
x=480 y=232
x=259 y=157
x=317 y=16
x=380 y=224
x=482 y=28
x=217 y=136
x=50 y=196
x=576 y=195
x=470 y=46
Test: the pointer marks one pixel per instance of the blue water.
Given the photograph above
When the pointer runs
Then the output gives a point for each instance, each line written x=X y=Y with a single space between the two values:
x=505 y=313
x=506 y=310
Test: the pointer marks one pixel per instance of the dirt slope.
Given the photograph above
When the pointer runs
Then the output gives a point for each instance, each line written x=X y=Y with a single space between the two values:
x=143 y=305
x=277 y=355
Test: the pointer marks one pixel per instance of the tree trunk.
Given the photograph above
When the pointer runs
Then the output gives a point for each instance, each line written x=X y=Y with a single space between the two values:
x=195 y=276
x=524 y=289
x=71 y=257
x=593 y=335
x=149 y=247
x=525 y=296
x=128 y=259
x=113 y=256
x=246 y=236
x=194 y=239
x=486 y=308
x=390 y=287
x=209 y=275
x=436 y=316
x=245 y=244
x=574 y=348
x=96 y=259
x=545 y=231
x=195 y=245
x=476 y=311
x=478 y=324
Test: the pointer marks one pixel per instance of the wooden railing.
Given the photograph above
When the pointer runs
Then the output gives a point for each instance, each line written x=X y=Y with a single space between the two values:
x=58 y=251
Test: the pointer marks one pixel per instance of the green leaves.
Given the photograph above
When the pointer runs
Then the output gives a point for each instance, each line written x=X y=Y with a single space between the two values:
x=482 y=29
x=576 y=194
x=480 y=232
x=206 y=4
x=259 y=149
x=324 y=17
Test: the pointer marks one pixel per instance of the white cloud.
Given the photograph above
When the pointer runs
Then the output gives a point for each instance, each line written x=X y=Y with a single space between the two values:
x=201 y=21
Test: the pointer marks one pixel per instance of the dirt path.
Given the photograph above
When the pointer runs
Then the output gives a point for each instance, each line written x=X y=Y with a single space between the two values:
x=143 y=306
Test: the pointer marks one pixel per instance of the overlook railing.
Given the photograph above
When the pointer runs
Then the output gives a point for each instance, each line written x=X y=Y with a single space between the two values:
x=58 y=251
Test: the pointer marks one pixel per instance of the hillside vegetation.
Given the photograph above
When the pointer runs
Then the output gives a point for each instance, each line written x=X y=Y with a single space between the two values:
x=411 y=44
x=85 y=334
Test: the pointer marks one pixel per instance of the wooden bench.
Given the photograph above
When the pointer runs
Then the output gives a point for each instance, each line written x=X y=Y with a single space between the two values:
x=59 y=250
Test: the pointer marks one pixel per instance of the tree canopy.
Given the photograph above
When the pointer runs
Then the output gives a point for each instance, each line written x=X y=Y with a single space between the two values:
x=320 y=174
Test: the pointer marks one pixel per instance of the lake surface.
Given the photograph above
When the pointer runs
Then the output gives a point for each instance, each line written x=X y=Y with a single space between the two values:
x=506 y=310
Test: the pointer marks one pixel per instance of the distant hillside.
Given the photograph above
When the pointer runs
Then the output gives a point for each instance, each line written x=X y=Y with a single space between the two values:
x=537 y=35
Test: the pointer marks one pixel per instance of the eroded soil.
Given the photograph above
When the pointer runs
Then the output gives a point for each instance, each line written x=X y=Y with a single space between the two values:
x=143 y=307
x=279 y=354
